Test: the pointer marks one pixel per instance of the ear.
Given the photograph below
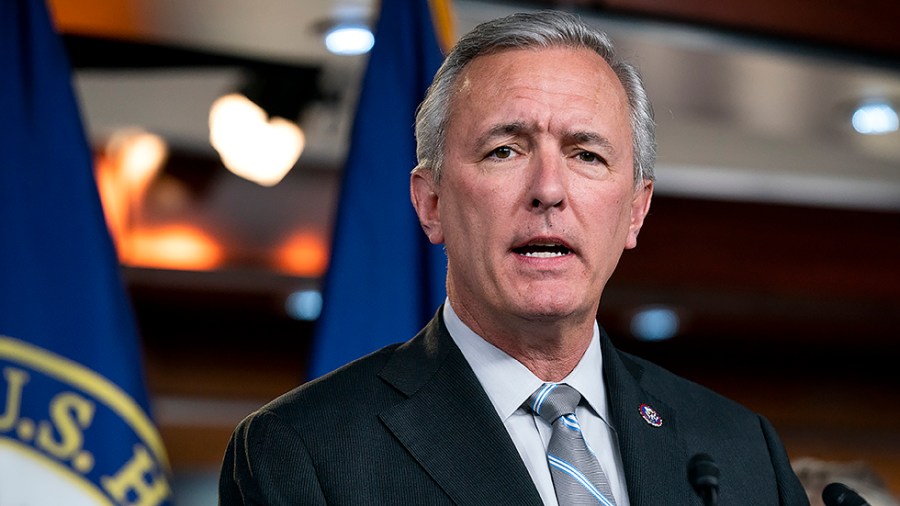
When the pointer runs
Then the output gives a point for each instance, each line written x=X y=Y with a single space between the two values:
x=640 y=206
x=424 y=195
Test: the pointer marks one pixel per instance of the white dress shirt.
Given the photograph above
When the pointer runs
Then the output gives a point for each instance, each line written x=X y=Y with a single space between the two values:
x=508 y=384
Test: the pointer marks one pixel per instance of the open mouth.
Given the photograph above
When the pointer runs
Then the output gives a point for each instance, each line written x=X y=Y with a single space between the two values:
x=539 y=250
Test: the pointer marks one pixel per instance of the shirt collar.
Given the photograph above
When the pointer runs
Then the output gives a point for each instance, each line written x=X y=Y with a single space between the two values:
x=587 y=377
x=508 y=383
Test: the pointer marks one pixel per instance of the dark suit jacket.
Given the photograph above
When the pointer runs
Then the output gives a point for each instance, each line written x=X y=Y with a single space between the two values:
x=411 y=424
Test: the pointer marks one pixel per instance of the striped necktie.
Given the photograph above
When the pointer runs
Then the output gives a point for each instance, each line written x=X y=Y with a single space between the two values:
x=577 y=476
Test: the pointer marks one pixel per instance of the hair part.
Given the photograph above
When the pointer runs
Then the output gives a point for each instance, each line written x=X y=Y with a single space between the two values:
x=543 y=29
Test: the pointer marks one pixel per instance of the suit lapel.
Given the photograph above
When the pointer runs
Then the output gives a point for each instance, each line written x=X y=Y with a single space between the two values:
x=652 y=457
x=448 y=424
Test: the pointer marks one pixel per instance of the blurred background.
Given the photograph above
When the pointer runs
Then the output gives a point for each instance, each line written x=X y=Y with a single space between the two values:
x=775 y=225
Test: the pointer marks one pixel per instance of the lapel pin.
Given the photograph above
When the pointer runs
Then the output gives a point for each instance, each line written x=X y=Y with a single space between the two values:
x=651 y=416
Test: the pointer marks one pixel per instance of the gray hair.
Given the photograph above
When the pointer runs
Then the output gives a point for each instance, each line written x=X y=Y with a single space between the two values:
x=530 y=30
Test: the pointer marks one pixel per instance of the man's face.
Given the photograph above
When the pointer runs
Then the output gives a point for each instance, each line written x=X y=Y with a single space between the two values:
x=537 y=198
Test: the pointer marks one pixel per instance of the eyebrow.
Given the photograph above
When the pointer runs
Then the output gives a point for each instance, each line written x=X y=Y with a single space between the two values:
x=501 y=130
x=592 y=138
x=518 y=127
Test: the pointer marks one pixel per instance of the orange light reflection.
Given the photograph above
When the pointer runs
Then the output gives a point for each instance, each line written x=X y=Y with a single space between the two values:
x=303 y=254
x=179 y=247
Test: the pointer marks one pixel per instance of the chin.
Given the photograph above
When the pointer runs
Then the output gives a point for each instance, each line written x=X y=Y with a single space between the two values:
x=549 y=310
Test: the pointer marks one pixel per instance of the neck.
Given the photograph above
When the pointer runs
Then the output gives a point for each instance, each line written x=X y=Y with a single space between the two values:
x=548 y=361
x=549 y=348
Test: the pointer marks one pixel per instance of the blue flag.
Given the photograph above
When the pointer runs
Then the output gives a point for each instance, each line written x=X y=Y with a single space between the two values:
x=74 y=428
x=385 y=280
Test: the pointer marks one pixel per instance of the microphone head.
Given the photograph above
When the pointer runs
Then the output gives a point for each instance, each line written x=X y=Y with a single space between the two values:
x=838 y=494
x=703 y=472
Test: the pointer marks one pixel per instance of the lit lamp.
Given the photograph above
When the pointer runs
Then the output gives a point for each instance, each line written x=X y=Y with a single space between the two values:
x=131 y=160
x=251 y=144
x=254 y=132
x=875 y=117
x=349 y=39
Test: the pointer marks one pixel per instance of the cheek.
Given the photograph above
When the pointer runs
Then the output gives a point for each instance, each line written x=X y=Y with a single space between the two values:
x=608 y=217
x=462 y=217
x=481 y=205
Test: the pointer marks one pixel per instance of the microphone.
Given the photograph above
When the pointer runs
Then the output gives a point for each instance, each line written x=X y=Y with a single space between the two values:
x=838 y=494
x=703 y=475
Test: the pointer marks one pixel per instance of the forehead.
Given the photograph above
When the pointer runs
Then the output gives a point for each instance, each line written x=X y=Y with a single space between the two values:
x=579 y=74
x=549 y=88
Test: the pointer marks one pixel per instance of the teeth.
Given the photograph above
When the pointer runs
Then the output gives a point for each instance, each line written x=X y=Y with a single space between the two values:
x=544 y=254
x=542 y=250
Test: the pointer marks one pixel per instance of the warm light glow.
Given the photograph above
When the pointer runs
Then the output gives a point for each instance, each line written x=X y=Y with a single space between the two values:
x=179 y=247
x=250 y=144
x=112 y=19
x=125 y=169
x=303 y=254
x=138 y=155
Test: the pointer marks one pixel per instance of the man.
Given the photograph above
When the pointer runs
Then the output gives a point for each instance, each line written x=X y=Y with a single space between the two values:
x=536 y=151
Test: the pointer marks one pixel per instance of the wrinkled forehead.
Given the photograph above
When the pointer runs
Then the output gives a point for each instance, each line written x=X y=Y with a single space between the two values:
x=497 y=67
x=573 y=81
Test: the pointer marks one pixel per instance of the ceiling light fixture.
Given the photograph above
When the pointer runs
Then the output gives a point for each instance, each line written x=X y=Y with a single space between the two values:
x=349 y=39
x=250 y=143
x=875 y=118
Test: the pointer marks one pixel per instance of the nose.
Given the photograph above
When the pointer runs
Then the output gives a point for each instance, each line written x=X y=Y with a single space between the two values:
x=548 y=186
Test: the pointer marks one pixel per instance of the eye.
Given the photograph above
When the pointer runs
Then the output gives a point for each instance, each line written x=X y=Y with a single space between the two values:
x=588 y=157
x=503 y=152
